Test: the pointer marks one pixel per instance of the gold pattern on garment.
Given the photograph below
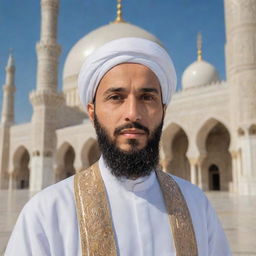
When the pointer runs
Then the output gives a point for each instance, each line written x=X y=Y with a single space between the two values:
x=180 y=219
x=96 y=230
x=95 y=223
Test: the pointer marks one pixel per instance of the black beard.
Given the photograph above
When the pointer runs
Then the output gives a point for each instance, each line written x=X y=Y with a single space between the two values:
x=135 y=162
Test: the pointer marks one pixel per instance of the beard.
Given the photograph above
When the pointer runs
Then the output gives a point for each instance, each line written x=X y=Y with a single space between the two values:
x=134 y=163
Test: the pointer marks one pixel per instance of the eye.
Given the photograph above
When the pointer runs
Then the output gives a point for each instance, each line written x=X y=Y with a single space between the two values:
x=115 y=97
x=147 y=97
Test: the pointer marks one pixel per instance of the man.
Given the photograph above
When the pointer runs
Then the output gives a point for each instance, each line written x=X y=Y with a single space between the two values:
x=124 y=204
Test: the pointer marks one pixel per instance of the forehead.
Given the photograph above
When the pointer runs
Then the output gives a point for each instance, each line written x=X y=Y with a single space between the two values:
x=126 y=74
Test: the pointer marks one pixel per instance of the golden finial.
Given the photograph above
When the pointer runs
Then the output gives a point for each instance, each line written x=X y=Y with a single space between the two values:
x=119 y=18
x=199 y=46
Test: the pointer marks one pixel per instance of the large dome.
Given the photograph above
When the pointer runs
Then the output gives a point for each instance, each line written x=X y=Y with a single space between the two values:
x=199 y=73
x=93 y=40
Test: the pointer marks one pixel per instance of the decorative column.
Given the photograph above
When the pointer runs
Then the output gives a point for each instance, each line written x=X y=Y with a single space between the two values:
x=240 y=19
x=163 y=161
x=235 y=171
x=45 y=99
x=7 y=119
x=193 y=170
x=164 y=164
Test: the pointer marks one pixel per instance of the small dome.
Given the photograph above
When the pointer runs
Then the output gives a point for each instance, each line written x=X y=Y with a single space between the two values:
x=93 y=40
x=199 y=73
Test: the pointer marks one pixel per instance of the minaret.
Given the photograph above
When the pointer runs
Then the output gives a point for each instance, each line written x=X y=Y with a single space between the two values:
x=48 y=50
x=8 y=93
x=7 y=120
x=240 y=17
x=45 y=99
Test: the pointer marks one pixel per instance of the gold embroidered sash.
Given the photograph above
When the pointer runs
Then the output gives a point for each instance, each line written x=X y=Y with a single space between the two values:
x=95 y=223
x=180 y=219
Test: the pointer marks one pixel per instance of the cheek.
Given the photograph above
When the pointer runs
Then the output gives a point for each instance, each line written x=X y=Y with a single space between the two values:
x=106 y=120
x=109 y=114
x=154 y=117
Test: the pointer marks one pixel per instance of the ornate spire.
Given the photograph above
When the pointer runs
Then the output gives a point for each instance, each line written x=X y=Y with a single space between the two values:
x=199 y=46
x=7 y=116
x=10 y=62
x=119 y=18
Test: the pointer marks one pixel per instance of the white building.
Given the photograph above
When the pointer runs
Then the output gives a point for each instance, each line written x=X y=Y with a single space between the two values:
x=209 y=135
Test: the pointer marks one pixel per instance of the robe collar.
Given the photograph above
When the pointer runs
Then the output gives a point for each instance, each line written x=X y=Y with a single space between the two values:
x=137 y=185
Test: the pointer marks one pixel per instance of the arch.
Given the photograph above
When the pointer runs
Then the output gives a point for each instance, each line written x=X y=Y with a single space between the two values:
x=168 y=136
x=216 y=154
x=21 y=172
x=175 y=145
x=65 y=158
x=203 y=133
x=90 y=152
x=61 y=151
x=93 y=154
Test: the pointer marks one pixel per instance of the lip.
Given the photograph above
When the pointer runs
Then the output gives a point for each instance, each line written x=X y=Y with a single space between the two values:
x=132 y=133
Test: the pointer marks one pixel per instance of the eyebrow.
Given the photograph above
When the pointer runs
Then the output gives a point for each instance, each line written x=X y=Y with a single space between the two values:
x=149 y=90
x=121 y=89
x=114 y=89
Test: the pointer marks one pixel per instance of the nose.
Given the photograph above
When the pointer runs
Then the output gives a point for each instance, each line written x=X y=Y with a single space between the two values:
x=132 y=111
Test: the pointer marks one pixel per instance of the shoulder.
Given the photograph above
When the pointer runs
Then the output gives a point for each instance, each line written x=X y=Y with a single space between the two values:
x=51 y=199
x=47 y=222
x=56 y=191
x=196 y=199
x=209 y=233
x=47 y=212
x=189 y=190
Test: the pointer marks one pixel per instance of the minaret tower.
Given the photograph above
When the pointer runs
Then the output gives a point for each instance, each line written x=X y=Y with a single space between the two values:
x=7 y=119
x=45 y=99
x=240 y=19
x=8 y=93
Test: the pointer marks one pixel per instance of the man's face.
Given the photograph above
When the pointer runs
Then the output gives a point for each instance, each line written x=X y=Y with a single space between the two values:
x=127 y=95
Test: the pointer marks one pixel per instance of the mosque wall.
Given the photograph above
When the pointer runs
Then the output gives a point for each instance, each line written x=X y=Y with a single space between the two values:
x=19 y=156
x=240 y=17
x=19 y=137
x=188 y=142
x=82 y=138
x=191 y=110
x=69 y=116
x=4 y=157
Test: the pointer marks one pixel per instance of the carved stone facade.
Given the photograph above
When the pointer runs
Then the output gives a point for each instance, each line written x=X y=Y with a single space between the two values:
x=209 y=134
x=241 y=68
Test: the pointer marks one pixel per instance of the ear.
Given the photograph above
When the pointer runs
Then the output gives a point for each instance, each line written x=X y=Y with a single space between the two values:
x=90 y=110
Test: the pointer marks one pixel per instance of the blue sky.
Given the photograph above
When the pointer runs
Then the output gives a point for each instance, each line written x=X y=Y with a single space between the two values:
x=175 y=22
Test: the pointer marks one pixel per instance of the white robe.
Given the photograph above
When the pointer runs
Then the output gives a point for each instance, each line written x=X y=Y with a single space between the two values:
x=48 y=223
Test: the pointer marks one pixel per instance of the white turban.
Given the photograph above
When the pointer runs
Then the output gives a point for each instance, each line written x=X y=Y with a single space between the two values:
x=123 y=50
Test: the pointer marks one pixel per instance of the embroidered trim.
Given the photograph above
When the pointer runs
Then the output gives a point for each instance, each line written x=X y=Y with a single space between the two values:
x=96 y=228
x=180 y=219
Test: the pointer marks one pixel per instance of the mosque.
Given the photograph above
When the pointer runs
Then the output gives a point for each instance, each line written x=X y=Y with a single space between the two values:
x=209 y=135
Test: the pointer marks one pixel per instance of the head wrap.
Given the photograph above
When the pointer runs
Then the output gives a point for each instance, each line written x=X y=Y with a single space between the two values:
x=123 y=50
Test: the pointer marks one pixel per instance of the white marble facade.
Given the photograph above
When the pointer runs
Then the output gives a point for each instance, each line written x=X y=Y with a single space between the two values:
x=209 y=134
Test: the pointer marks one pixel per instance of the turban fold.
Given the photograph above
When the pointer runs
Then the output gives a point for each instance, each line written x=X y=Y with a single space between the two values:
x=126 y=50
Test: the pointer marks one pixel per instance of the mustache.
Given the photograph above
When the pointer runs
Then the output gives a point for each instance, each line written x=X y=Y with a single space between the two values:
x=136 y=125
